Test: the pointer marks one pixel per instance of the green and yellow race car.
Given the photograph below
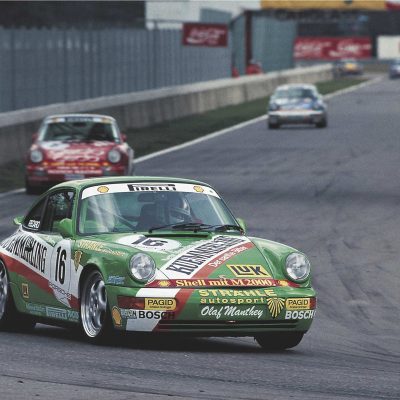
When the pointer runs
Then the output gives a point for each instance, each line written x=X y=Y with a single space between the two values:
x=150 y=254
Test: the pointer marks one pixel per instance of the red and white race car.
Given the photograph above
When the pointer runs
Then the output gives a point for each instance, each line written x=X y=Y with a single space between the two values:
x=76 y=146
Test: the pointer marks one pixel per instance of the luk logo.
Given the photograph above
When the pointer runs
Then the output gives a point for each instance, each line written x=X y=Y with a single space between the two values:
x=248 y=271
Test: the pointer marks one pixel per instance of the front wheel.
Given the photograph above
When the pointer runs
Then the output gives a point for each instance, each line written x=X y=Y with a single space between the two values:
x=10 y=318
x=96 y=323
x=279 y=340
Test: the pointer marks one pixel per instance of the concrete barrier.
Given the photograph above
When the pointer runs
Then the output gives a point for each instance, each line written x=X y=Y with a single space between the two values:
x=141 y=109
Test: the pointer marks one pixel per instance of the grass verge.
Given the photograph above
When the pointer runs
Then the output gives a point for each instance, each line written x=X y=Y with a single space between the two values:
x=167 y=134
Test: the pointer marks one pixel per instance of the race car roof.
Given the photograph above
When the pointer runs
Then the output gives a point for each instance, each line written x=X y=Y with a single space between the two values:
x=297 y=85
x=81 y=115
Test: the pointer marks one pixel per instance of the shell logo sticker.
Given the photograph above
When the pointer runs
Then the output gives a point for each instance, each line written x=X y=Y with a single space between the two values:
x=164 y=283
x=198 y=189
x=116 y=315
x=103 y=189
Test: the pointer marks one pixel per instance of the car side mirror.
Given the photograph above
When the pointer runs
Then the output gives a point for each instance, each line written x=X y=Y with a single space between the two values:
x=35 y=137
x=65 y=228
x=18 y=220
x=124 y=137
x=242 y=224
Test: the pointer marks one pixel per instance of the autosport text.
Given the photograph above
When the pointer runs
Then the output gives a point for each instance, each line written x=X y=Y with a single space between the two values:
x=194 y=258
x=27 y=248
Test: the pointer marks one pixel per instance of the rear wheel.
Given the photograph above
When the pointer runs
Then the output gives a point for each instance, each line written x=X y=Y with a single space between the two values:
x=10 y=318
x=322 y=124
x=273 y=125
x=279 y=340
x=96 y=322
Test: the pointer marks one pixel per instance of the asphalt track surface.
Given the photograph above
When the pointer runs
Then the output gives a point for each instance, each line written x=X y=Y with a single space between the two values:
x=334 y=194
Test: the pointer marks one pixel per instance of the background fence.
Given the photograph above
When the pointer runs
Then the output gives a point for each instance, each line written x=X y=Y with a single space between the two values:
x=45 y=66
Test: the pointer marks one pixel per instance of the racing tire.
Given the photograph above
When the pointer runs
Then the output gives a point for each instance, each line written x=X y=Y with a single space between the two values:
x=10 y=318
x=322 y=124
x=273 y=126
x=278 y=340
x=95 y=318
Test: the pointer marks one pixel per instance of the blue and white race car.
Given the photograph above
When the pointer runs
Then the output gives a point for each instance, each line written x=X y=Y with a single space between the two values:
x=297 y=104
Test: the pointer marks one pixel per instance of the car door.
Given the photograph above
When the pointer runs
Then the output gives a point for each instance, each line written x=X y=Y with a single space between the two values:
x=59 y=206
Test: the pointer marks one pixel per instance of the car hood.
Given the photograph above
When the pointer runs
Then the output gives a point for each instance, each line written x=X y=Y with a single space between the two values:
x=184 y=257
x=93 y=151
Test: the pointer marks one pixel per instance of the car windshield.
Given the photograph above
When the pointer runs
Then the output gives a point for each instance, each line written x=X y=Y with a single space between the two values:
x=150 y=206
x=67 y=129
x=294 y=93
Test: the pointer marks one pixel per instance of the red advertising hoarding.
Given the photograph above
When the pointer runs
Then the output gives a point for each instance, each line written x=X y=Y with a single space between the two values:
x=211 y=35
x=332 y=48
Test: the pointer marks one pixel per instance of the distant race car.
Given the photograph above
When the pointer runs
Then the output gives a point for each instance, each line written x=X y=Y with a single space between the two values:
x=297 y=104
x=348 y=67
x=76 y=146
x=144 y=254
x=394 y=69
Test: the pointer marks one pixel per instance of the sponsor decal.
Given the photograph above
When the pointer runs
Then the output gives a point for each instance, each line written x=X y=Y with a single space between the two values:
x=160 y=304
x=103 y=189
x=77 y=259
x=298 y=304
x=116 y=280
x=33 y=224
x=275 y=306
x=212 y=253
x=209 y=35
x=116 y=315
x=198 y=189
x=96 y=246
x=308 y=314
x=239 y=297
x=220 y=282
x=28 y=249
x=150 y=244
x=248 y=271
x=332 y=48
x=60 y=313
x=137 y=187
x=35 y=308
x=144 y=314
x=231 y=312
x=63 y=294
x=25 y=291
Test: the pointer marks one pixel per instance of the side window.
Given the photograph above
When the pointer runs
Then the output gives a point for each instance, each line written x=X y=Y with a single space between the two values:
x=59 y=206
x=34 y=218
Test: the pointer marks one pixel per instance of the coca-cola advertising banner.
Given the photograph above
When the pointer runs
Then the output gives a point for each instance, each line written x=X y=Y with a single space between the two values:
x=332 y=48
x=211 y=35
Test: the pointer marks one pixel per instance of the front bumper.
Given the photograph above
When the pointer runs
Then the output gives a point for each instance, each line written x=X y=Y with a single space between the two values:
x=212 y=311
x=296 y=117
x=40 y=175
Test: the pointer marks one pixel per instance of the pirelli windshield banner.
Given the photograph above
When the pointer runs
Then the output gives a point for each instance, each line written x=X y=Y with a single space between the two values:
x=331 y=4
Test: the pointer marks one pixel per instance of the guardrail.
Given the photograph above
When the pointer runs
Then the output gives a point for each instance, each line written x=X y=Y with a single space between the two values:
x=141 y=109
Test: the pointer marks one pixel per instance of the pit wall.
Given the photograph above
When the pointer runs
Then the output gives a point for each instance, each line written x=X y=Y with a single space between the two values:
x=145 y=108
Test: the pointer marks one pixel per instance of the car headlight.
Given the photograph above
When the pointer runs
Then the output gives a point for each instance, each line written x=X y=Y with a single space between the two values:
x=318 y=106
x=114 y=156
x=297 y=267
x=273 y=107
x=142 y=267
x=36 y=156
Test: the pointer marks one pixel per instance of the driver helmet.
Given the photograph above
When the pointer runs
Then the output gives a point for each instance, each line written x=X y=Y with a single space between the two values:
x=179 y=210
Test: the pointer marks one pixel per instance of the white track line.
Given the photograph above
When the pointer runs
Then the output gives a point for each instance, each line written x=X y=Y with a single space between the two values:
x=221 y=132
